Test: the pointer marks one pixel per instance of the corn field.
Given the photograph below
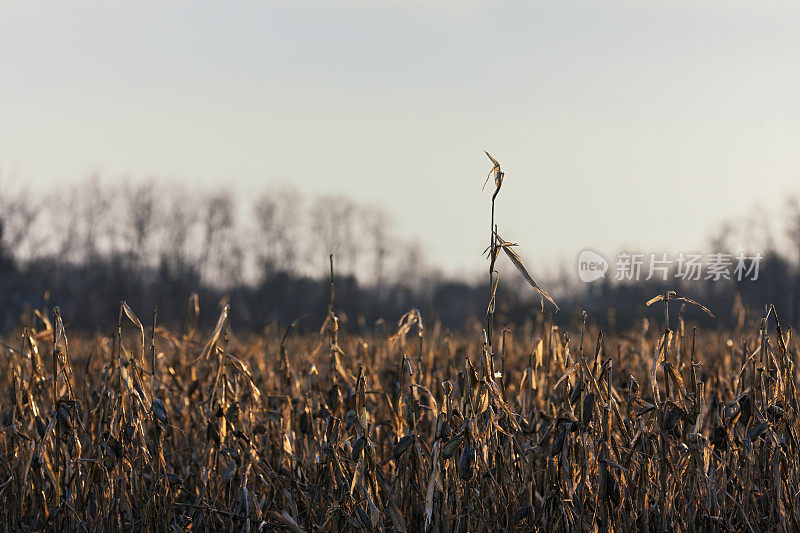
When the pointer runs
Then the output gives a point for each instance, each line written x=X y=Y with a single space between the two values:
x=545 y=426
x=661 y=428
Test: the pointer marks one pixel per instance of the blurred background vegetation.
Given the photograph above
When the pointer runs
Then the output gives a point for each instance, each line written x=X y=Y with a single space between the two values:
x=87 y=246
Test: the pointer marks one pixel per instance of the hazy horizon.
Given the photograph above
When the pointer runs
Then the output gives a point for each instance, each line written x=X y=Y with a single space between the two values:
x=603 y=117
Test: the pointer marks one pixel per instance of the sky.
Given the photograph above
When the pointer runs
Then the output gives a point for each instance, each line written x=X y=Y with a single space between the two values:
x=636 y=125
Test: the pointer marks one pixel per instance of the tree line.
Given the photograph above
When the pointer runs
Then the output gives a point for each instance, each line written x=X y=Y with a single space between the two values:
x=92 y=244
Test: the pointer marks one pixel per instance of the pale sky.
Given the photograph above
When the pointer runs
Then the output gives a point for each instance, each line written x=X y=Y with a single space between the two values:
x=620 y=124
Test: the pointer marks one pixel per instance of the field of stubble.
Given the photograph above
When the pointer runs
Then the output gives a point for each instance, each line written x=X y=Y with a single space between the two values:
x=415 y=429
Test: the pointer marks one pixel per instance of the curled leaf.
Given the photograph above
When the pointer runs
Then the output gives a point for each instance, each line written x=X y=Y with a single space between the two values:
x=512 y=255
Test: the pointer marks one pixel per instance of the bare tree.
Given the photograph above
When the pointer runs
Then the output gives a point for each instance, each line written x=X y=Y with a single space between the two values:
x=375 y=224
x=793 y=234
x=333 y=221
x=757 y=231
x=80 y=221
x=18 y=215
x=221 y=254
x=277 y=214
x=792 y=208
x=142 y=207
x=411 y=265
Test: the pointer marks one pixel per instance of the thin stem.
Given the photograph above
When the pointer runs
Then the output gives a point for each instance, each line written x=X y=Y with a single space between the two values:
x=153 y=352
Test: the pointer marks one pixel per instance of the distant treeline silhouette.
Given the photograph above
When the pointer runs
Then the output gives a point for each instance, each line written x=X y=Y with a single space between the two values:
x=92 y=245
